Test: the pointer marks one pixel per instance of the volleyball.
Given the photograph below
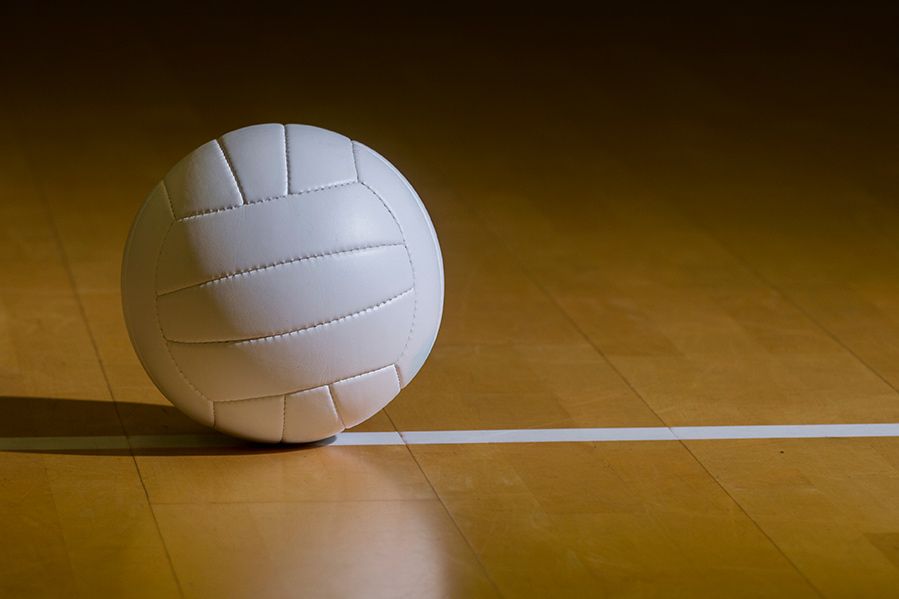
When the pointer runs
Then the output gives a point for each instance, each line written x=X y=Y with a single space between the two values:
x=282 y=283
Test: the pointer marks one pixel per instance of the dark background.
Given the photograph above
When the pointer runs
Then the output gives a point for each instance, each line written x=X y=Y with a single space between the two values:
x=488 y=94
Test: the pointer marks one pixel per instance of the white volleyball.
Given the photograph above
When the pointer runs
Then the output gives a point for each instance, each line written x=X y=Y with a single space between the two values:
x=282 y=283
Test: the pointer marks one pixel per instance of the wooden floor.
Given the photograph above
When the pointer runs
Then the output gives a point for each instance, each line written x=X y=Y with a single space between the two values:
x=644 y=223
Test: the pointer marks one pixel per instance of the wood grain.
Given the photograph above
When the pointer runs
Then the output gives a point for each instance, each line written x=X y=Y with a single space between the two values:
x=645 y=222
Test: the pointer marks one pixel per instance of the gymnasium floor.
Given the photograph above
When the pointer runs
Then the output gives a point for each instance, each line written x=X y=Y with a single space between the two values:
x=645 y=223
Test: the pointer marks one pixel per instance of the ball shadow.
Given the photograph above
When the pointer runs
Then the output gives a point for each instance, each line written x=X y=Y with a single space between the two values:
x=83 y=427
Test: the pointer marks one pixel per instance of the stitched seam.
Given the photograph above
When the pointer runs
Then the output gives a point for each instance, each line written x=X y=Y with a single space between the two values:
x=289 y=333
x=361 y=374
x=227 y=157
x=159 y=322
x=168 y=198
x=286 y=163
x=253 y=269
x=408 y=254
x=283 y=416
x=348 y=378
x=355 y=163
x=334 y=405
x=261 y=398
x=202 y=213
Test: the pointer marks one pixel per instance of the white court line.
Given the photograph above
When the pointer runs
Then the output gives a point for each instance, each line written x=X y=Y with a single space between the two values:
x=786 y=431
x=538 y=435
x=390 y=438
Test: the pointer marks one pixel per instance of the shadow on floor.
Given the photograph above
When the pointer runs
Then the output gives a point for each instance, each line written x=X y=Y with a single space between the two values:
x=35 y=424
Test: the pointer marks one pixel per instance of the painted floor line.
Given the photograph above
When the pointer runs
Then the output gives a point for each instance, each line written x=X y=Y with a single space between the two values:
x=539 y=435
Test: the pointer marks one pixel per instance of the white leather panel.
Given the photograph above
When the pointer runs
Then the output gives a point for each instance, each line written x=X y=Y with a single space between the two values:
x=260 y=419
x=317 y=157
x=285 y=297
x=311 y=416
x=202 y=181
x=359 y=398
x=288 y=310
x=138 y=303
x=421 y=241
x=301 y=360
x=258 y=157
x=213 y=245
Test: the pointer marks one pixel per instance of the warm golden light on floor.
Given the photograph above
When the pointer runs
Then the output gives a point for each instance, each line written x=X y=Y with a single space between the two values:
x=645 y=223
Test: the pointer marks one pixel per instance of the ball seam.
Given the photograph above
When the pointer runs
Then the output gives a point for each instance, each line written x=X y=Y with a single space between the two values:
x=253 y=269
x=156 y=309
x=298 y=391
x=334 y=402
x=227 y=157
x=283 y=416
x=291 y=332
x=408 y=254
x=286 y=163
x=201 y=213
